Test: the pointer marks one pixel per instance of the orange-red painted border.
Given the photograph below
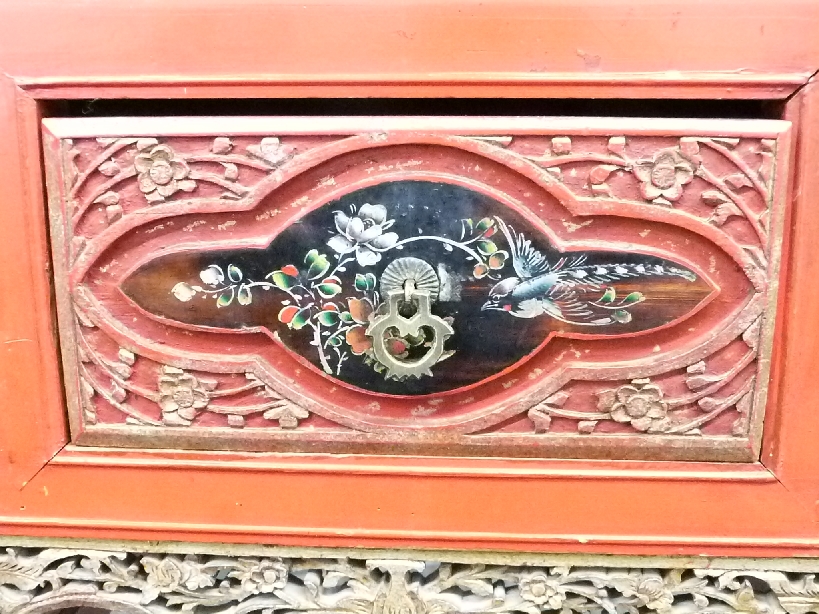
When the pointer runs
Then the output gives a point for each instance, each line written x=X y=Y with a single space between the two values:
x=221 y=48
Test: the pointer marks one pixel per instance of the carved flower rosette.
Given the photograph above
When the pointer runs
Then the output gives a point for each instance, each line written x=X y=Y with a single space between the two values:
x=570 y=288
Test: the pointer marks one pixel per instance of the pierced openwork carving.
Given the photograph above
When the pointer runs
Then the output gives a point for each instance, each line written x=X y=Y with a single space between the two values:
x=41 y=580
x=553 y=290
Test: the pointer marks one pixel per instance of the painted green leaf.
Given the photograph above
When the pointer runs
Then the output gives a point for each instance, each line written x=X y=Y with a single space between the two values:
x=346 y=317
x=244 y=296
x=484 y=224
x=226 y=298
x=335 y=341
x=300 y=319
x=317 y=264
x=487 y=247
x=234 y=273
x=328 y=318
x=311 y=256
x=370 y=281
x=621 y=316
x=608 y=296
x=360 y=282
x=631 y=299
x=282 y=280
x=328 y=290
x=318 y=268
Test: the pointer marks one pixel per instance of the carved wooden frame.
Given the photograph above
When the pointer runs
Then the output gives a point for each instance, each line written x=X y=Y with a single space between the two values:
x=756 y=509
x=540 y=390
x=141 y=578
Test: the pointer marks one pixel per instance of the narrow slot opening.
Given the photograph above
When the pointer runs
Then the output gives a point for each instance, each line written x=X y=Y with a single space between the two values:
x=673 y=108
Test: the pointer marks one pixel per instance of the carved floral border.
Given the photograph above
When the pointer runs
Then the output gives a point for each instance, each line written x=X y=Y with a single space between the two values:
x=35 y=580
x=163 y=175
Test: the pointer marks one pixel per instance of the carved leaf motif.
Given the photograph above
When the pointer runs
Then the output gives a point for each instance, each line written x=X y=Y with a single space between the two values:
x=558 y=399
x=723 y=212
x=287 y=414
x=714 y=197
x=728 y=142
x=113 y=213
x=109 y=199
x=24 y=578
x=738 y=180
x=617 y=145
x=109 y=168
x=118 y=393
x=690 y=149
x=562 y=145
x=586 y=426
x=475 y=579
x=146 y=143
x=270 y=150
x=126 y=356
x=221 y=145
x=540 y=419
x=231 y=171
x=601 y=172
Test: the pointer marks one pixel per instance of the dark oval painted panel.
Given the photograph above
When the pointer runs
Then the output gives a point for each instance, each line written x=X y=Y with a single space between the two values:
x=501 y=286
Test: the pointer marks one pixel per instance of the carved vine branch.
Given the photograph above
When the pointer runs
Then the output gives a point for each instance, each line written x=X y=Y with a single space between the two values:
x=36 y=580
x=180 y=395
x=644 y=406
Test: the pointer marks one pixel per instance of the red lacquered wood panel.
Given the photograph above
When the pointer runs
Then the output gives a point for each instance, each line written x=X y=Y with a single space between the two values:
x=603 y=288
x=55 y=50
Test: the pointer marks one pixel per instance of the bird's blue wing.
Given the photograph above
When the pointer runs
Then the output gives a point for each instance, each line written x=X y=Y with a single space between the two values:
x=527 y=261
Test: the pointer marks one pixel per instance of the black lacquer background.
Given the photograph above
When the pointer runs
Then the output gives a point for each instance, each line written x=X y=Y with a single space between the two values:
x=485 y=342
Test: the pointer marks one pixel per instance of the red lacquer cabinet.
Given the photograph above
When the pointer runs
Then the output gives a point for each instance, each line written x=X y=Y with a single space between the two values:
x=355 y=307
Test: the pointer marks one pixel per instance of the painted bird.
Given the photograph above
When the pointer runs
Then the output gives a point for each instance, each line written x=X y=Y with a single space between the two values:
x=568 y=290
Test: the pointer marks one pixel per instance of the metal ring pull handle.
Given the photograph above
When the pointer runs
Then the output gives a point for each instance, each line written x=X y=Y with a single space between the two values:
x=409 y=326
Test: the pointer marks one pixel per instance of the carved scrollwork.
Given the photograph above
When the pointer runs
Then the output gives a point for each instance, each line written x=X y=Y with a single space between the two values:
x=180 y=395
x=37 y=580
x=741 y=187
x=227 y=283
x=645 y=407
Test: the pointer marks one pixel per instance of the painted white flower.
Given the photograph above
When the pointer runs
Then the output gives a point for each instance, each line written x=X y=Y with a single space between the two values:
x=183 y=292
x=213 y=275
x=363 y=233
